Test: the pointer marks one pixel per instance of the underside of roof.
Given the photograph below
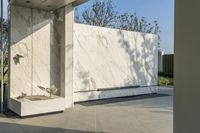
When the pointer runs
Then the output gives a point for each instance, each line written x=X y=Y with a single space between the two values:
x=46 y=4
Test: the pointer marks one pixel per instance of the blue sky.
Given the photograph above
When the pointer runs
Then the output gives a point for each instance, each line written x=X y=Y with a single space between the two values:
x=160 y=10
x=5 y=3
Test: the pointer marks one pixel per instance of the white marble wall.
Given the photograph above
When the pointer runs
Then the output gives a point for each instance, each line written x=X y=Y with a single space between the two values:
x=68 y=56
x=20 y=72
x=32 y=36
x=107 y=58
x=91 y=58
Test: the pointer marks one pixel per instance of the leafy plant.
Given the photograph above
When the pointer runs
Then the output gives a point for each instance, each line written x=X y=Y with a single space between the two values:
x=164 y=81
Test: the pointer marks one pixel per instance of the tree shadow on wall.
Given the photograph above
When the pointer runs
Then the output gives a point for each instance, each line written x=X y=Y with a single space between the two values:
x=141 y=50
x=141 y=57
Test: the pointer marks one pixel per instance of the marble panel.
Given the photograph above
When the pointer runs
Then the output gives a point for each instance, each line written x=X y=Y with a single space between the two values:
x=109 y=58
x=33 y=41
x=20 y=51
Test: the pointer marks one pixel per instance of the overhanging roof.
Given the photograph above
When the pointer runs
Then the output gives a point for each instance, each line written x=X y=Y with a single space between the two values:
x=45 y=4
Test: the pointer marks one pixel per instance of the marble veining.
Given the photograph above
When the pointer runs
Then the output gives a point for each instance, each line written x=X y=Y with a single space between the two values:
x=32 y=36
x=74 y=58
x=20 y=73
x=106 y=58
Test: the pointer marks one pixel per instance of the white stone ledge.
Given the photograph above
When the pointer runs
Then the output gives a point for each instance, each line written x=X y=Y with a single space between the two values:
x=96 y=95
x=28 y=108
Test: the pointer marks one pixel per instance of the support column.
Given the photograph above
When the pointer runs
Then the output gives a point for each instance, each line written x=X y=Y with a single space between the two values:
x=187 y=67
x=2 y=70
x=68 y=55
x=160 y=61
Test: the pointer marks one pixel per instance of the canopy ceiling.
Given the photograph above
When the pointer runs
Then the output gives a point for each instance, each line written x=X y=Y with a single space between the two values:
x=45 y=4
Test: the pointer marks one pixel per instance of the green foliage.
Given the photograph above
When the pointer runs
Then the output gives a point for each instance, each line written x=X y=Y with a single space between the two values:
x=5 y=47
x=164 y=81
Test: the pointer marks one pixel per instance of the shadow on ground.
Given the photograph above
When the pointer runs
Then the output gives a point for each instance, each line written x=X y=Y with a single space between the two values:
x=18 y=128
x=9 y=114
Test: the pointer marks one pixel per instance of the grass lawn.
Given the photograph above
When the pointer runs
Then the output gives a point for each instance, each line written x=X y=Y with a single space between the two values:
x=164 y=81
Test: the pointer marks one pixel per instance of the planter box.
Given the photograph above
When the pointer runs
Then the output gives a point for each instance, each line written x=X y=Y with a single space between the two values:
x=35 y=105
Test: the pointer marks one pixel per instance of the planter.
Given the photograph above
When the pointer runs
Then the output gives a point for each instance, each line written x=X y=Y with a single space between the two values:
x=35 y=105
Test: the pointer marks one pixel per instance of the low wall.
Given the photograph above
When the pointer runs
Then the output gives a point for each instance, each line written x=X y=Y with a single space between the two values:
x=106 y=59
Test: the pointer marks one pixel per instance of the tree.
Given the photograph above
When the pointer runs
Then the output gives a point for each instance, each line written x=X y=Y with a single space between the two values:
x=101 y=13
x=5 y=43
x=132 y=22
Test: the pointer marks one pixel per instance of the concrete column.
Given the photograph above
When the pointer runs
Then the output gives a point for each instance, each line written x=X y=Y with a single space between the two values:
x=160 y=61
x=69 y=20
x=187 y=67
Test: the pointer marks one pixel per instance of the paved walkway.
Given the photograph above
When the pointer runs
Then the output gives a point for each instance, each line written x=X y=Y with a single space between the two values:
x=144 y=114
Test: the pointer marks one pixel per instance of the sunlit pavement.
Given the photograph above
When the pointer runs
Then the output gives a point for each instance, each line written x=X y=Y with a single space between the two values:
x=143 y=114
